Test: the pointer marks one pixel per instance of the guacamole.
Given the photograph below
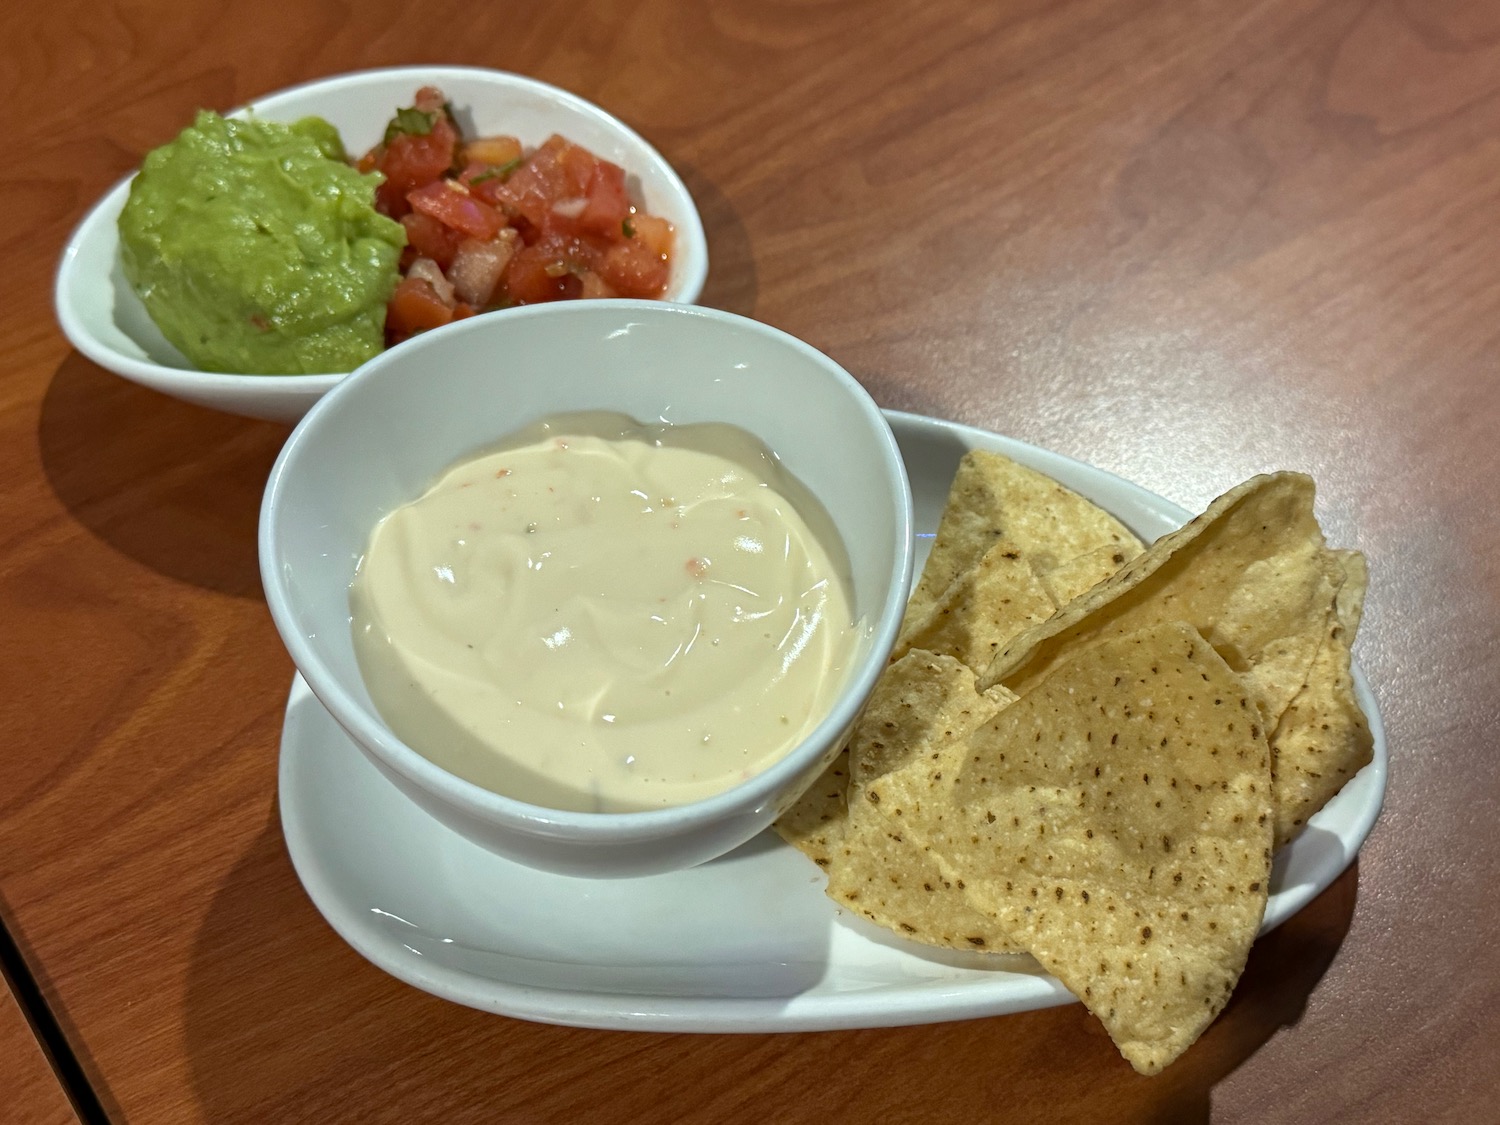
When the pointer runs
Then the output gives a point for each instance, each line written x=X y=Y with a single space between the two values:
x=257 y=249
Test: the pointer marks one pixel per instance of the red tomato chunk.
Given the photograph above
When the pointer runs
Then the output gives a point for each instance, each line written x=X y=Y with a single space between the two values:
x=450 y=203
x=489 y=225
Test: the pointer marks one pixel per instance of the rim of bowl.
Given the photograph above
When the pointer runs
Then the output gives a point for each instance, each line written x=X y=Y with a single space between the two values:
x=539 y=821
x=165 y=375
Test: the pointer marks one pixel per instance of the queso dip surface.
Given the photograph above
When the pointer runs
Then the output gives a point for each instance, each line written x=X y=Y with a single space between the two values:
x=606 y=616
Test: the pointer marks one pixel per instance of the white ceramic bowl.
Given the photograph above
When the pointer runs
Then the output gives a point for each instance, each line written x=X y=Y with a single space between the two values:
x=380 y=437
x=102 y=317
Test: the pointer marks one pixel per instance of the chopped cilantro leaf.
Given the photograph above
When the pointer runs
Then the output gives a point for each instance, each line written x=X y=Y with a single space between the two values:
x=411 y=122
x=502 y=172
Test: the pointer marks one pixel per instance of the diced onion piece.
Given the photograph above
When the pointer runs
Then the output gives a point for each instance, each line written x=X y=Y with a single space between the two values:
x=595 y=286
x=478 y=267
x=429 y=271
x=570 y=208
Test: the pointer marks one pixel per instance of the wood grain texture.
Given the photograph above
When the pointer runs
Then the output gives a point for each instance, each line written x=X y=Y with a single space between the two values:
x=1185 y=242
x=32 y=1092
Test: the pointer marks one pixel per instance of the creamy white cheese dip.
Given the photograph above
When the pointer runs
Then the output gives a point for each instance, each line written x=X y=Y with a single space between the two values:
x=607 y=616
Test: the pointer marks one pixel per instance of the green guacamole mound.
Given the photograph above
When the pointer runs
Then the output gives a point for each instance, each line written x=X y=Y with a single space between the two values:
x=257 y=249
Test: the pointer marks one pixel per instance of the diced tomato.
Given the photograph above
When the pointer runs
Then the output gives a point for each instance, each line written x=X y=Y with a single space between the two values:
x=562 y=242
x=510 y=227
x=413 y=160
x=525 y=195
x=654 y=231
x=577 y=164
x=430 y=99
x=485 y=181
x=415 y=307
x=632 y=270
x=428 y=238
x=533 y=276
x=607 y=205
x=557 y=171
x=529 y=234
x=451 y=204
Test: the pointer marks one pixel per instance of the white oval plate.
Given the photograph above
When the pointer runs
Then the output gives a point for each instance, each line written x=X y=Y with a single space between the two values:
x=745 y=943
x=104 y=319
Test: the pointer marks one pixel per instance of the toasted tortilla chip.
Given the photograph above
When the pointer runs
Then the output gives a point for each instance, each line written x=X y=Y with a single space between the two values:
x=1350 y=605
x=1116 y=820
x=891 y=881
x=1272 y=624
x=982 y=609
x=1070 y=579
x=816 y=824
x=1251 y=574
x=992 y=496
x=1323 y=738
x=922 y=703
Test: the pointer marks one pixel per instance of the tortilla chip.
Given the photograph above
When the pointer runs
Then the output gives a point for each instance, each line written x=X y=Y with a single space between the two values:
x=1323 y=739
x=922 y=698
x=1185 y=711
x=992 y=496
x=894 y=883
x=1077 y=576
x=922 y=703
x=815 y=825
x=1350 y=604
x=1116 y=820
x=1272 y=625
x=1251 y=574
x=982 y=609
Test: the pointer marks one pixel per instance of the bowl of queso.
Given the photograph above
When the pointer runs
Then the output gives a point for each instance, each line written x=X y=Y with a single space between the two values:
x=600 y=585
x=257 y=257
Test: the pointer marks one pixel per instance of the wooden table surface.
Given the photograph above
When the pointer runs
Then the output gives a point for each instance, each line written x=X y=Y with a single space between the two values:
x=33 y=1092
x=1185 y=242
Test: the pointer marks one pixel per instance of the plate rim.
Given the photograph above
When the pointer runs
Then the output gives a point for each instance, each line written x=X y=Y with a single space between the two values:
x=931 y=1001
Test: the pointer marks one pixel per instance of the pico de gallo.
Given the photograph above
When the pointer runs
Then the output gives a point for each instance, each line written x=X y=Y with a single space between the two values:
x=490 y=224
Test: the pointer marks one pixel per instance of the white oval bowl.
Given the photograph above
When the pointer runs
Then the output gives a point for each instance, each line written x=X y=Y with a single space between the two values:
x=104 y=319
x=383 y=435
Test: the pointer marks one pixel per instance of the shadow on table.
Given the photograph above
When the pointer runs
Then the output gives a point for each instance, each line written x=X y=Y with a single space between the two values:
x=260 y=1018
x=284 y=1020
x=1285 y=967
x=733 y=282
x=175 y=487
x=1058 y=1064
